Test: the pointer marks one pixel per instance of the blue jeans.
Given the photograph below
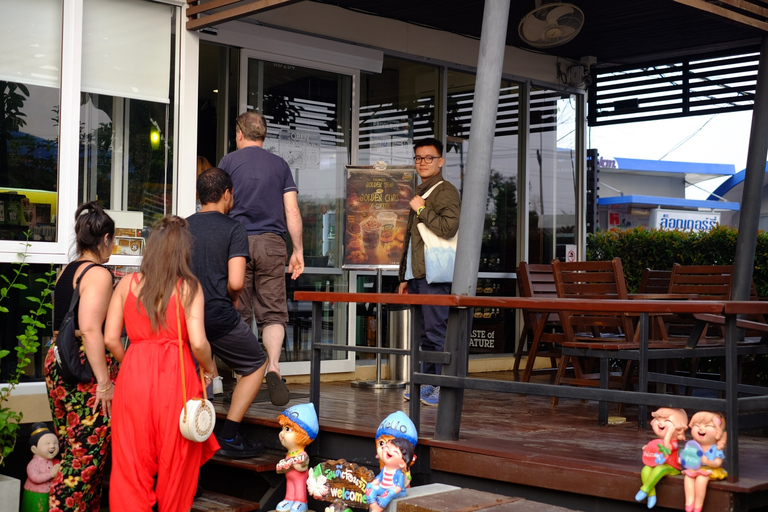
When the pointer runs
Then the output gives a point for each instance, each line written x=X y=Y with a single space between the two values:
x=433 y=321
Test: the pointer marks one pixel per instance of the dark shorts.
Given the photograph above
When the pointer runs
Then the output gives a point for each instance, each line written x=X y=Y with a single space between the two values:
x=264 y=292
x=240 y=349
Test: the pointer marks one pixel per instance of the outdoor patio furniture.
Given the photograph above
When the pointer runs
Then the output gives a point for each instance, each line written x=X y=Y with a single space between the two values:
x=537 y=281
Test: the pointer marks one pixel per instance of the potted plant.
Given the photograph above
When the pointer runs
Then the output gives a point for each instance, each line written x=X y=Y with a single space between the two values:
x=28 y=344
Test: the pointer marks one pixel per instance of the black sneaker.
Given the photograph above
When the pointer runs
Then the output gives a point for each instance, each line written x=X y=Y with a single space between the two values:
x=239 y=447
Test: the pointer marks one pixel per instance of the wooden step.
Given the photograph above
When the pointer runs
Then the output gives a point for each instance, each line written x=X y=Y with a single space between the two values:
x=215 y=502
x=266 y=461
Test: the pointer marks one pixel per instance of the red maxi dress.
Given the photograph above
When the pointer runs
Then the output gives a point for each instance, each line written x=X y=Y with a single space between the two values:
x=146 y=441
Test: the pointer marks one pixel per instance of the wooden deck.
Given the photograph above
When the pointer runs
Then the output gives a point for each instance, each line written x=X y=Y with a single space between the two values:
x=524 y=443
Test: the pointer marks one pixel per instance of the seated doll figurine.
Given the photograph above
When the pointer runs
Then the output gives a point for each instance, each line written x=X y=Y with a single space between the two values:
x=390 y=483
x=396 y=425
x=41 y=470
x=299 y=428
x=660 y=456
x=702 y=458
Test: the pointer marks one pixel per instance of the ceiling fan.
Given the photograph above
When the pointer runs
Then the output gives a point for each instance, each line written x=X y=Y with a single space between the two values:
x=551 y=24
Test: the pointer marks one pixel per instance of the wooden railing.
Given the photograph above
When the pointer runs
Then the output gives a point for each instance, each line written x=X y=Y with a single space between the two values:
x=731 y=406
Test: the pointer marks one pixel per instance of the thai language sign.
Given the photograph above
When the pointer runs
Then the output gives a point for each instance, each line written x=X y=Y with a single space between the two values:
x=684 y=220
x=377 y=208
x=339 y=480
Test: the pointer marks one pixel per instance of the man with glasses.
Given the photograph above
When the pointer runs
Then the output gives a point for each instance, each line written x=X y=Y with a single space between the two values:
x=266 y=203
x=440 y=212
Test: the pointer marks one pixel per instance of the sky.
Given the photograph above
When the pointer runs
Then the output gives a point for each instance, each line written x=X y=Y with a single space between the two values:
x=718 y=138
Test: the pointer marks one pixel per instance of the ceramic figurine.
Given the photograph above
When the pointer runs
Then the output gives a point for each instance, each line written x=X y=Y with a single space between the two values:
x=702 y=457
x=660 y=456
x=396 y=425
x=299 y=428
x=41 y=470
x=390 y=483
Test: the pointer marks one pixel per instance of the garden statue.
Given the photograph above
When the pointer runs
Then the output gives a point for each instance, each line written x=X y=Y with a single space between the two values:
x=299 y=428
x=396 y=425
x=390 y=483
x=41 y=470
x=702 y=457
x=660 y=456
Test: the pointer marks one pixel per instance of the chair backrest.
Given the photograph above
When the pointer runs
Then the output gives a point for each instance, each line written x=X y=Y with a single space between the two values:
x=593 y=281
x=536 y=280
x=654 y=281
x=710 y=282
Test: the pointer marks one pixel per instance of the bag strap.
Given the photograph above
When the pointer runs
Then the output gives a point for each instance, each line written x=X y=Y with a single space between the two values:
x=181 y=356
x=76 y=291
x=433 y=187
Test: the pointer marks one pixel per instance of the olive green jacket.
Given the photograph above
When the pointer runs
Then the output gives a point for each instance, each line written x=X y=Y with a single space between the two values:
x=441 y=215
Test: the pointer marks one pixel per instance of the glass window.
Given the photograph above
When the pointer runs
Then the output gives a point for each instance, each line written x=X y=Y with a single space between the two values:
x=308 y=124
x=30 y=39
x=397 y=106
x=551 y=174
x=498 y=253
x=125 y=115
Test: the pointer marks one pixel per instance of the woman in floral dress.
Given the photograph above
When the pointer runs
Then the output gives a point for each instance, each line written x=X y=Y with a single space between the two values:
x=81 y=412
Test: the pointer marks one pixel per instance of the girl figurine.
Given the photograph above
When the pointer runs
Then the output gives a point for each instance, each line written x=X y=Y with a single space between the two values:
x=660 y=455
x=390 y=483
x=41 y=470
x=396 y=425
x=300 y=428
x=702 y=458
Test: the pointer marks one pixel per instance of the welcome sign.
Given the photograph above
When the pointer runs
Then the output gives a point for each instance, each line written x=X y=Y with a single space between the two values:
x=684 y=220
x=339 y=480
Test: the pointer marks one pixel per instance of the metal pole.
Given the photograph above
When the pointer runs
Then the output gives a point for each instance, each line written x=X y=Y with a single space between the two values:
x=751 y=197
x=475 y=193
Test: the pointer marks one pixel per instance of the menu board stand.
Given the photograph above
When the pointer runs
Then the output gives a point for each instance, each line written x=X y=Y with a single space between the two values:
x=378 y=383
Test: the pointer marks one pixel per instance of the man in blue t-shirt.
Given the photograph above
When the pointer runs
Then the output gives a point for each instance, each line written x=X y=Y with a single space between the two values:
x=266 y=203
x=219 y=257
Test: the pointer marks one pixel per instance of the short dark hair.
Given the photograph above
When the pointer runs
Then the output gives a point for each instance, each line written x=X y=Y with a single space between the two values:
x=212 y=184
x=406 y=448
x=253 y=125
x=429 y=141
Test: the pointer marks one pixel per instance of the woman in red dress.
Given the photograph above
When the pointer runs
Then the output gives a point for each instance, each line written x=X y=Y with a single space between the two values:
x=152 y=462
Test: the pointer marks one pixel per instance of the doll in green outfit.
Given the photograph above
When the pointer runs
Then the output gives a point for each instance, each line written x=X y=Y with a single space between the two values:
x=41 y=470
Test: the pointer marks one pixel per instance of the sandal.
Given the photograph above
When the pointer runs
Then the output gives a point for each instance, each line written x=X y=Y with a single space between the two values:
x=278 y=392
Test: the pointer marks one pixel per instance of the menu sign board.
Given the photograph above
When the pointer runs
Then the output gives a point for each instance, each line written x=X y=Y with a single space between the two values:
x=377 y=208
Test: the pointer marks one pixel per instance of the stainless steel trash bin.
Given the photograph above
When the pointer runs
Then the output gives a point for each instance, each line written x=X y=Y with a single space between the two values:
x=399 y=336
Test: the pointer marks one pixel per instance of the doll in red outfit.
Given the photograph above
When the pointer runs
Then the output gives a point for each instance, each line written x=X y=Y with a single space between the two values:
x=41 y=470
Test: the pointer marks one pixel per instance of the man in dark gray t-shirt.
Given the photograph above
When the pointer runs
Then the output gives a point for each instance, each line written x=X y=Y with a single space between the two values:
x=219 y=256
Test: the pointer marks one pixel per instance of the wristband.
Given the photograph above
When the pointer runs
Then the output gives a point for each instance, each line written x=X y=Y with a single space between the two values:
x=421 y=208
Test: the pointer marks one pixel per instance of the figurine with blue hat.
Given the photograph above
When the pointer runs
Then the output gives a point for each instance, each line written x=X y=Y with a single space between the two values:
x=299 y=428
x=396 y=440
x=396 y=425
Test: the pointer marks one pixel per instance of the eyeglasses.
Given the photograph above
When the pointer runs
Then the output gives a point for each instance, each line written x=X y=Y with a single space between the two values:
x=427 y=159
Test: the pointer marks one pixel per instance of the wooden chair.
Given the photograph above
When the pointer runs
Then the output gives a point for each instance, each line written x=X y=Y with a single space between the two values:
x=654 y=281
x=592 y=281
x=706 y=282
x=540 y=327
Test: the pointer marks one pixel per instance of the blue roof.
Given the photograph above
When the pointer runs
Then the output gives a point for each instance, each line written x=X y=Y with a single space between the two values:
x=665 y=166
x=731 y=182
x=676 y=202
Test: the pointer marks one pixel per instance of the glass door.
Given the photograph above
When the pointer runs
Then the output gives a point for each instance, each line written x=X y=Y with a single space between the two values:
x=309 y=124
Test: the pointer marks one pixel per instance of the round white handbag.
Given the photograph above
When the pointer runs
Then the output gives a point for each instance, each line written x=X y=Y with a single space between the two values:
x=197 y=419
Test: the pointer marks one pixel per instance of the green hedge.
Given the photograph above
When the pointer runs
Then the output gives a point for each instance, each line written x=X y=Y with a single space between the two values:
x=641 y=248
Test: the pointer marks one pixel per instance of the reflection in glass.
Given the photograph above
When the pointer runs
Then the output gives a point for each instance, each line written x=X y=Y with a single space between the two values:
x=498 y=251
x=308 y=118
x=551 y=174
x=397 y=106
x=29 y=147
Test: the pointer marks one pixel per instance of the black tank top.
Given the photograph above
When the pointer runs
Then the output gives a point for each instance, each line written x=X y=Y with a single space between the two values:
x=63 y=291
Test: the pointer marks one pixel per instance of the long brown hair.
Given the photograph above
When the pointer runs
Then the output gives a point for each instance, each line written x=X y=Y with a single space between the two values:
x=165 y=262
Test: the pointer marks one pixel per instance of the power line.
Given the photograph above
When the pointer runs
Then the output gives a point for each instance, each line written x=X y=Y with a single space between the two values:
x=680 y=144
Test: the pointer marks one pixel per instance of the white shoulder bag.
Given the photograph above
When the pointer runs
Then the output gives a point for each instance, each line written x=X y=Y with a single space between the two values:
x=439 y=253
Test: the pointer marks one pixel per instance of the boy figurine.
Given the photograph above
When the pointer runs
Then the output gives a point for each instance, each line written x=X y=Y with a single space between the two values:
x=390 y=483
x=299 y=428
x=661 y=455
